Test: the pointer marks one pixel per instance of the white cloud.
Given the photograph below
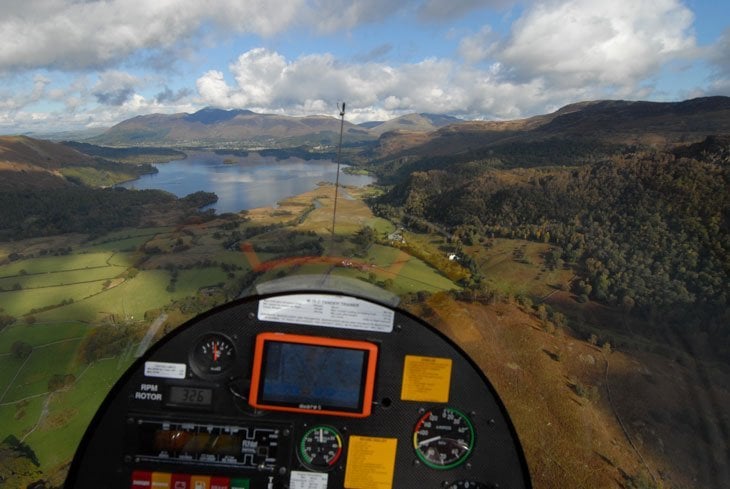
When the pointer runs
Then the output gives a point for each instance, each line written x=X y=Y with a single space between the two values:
x=115 y=88
x=72 y=35
x=578 y=43
x=478 y=47
x=12 y=102
x=266 y=81
x=557 y=52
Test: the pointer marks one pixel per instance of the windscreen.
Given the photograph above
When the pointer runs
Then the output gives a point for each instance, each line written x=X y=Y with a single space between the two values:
x=531 y=178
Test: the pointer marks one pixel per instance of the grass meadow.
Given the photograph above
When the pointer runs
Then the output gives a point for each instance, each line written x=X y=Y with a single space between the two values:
x=71 y=295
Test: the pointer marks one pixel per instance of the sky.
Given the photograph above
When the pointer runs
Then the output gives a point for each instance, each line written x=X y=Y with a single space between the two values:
x=67 y=65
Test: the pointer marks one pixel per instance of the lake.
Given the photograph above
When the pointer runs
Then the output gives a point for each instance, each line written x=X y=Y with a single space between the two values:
x=243 y=182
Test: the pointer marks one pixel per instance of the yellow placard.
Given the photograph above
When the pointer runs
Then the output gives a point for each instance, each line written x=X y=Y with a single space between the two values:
x=200 y=482
x=161 y=480
x=426 y=379
x=370 y=462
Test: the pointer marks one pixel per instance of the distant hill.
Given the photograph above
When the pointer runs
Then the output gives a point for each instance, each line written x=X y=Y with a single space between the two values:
x=216 y=126
x=603 y=122
x=28 y=163
x=413 y=123
x=34 y=163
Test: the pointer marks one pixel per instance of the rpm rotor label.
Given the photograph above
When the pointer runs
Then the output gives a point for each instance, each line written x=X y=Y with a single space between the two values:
x=327 y=311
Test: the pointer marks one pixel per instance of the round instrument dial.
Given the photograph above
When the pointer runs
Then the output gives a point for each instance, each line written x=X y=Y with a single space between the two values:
x=443 y=438
x=320 y=448
x=212 y=355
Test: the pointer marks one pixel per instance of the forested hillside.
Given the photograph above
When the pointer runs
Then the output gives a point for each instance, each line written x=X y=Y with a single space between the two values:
x=647 y=231
x=91 y=211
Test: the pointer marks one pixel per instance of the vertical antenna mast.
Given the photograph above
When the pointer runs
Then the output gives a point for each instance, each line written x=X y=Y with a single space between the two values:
x=337 y=179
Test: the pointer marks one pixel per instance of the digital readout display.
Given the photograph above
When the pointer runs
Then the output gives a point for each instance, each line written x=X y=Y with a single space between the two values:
x=190 y=396
x=182 y=442
x=298 y=374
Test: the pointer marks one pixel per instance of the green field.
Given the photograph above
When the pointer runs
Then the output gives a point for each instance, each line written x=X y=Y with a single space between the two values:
x=70 y=412
x=130 y=299
x=9 y=367
x=20 y=417
x=41 y=333
x=47 y=264
x=61 y=278
x=123 y=244
x=22 y=302
x=45 y=361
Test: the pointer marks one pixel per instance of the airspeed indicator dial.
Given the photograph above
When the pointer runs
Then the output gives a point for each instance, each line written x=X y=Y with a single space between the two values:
x=443 y=438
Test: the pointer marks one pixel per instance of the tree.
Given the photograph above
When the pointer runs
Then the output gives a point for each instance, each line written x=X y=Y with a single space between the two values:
x=6 y=320
x=21 y=349
x=364 y=238
x=60 y=381
x=18 y=464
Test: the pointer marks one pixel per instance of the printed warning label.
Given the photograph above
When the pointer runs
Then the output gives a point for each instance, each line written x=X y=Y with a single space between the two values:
x=165 y=370
x=307 y=480
x=370 y=463
x=327 y=311
x=426 y=379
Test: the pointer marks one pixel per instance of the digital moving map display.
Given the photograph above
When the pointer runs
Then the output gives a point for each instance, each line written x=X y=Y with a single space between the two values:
x=305 y=373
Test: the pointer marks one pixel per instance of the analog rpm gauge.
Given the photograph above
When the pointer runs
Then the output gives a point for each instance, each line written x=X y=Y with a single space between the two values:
x=443 y=438
x=212 y=355
x=320 y=448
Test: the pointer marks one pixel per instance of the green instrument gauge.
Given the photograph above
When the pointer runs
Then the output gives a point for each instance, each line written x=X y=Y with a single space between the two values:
x=212 y=355
x=466 y=485
x=443 y=438
x=320 y=448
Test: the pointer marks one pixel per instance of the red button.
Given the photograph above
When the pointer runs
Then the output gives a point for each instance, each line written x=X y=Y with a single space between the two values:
x=141 y=480
x=220 y=483
x=180 y=481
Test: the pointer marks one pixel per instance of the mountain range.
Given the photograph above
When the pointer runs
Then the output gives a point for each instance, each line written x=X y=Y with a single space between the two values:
x=577 y=131
x=211 y=126
x=604 y=121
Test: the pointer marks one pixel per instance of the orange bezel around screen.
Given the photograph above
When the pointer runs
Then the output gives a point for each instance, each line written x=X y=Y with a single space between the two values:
x=285 y=386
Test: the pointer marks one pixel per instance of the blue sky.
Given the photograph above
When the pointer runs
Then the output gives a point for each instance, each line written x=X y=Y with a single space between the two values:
x=74 y=64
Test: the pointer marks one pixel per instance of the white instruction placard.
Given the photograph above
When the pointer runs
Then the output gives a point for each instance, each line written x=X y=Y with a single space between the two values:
x=329 y=311
x=165 y=370
x=307 y=480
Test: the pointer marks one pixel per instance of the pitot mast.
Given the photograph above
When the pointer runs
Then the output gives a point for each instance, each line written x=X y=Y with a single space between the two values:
x=337 y=178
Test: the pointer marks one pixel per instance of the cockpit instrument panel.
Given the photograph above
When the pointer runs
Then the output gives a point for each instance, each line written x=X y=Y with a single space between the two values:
x=301 y=391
